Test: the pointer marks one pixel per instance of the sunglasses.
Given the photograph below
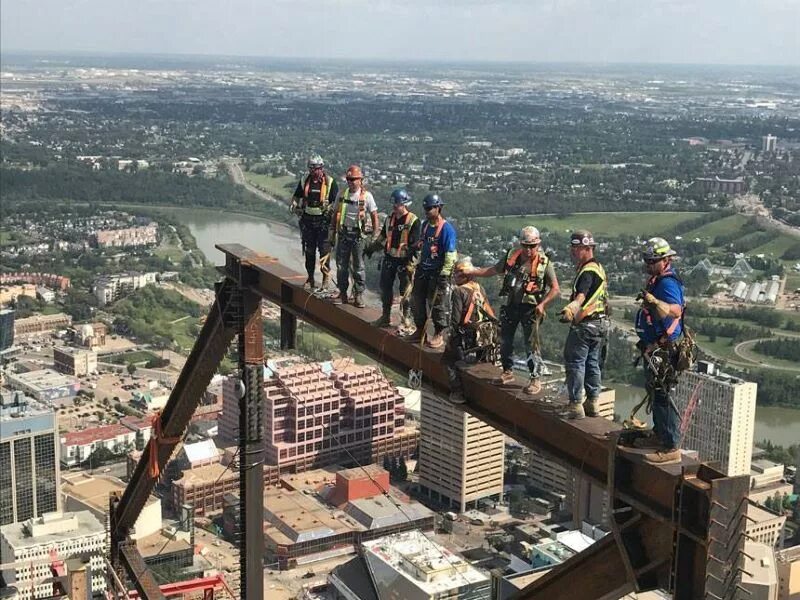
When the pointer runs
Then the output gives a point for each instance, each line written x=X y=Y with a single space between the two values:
x=353 y=178
x=653 y=261
x=529 y=245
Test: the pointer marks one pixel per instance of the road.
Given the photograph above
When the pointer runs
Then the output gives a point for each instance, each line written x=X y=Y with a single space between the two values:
x=237 y=175
x=751 y=205
x=741 y=351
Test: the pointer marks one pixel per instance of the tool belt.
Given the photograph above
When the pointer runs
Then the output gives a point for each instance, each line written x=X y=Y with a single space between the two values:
x=480 y=339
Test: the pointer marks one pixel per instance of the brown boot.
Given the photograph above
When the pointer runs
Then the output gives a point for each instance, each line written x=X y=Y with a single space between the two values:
x=340 y=299
x=534 y=387
x=358 y=300
x=592 y=407
x=309 y=284
x=506 y=378
x=667 y=456
x=437 y=341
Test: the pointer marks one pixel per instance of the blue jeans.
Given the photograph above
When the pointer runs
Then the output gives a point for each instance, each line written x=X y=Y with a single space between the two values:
x=584 y=353
x=666 y=422
x=511 y=316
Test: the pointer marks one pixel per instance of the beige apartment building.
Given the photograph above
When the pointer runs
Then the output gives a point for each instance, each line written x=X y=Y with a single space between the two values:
x=461 y=458
x=722 y=423
x=75 y=361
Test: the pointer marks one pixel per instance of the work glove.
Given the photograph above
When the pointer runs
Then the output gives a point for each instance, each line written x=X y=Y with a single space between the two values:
x=569 y=312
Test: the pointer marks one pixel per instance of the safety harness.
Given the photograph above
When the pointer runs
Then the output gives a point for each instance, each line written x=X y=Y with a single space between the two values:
x=322 y=207
x=345 y=199
x=157 y=439
x=434 y=246
x=476 y=300
x=649 y=317
x=538 y=267
x=393 y=227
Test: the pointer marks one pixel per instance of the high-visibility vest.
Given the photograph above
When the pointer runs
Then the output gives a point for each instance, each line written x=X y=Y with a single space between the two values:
x=343 y=201
x=478 y=301
x=538 y=266
x=392 y=227
x=596 y=303
x=322 y=207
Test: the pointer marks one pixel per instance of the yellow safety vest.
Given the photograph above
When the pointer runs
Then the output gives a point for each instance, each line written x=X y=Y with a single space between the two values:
x=596 y=303
x=327 y=183
x=343 y=201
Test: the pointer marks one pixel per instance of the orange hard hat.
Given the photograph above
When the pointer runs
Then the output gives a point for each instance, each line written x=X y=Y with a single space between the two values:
x=354 y=172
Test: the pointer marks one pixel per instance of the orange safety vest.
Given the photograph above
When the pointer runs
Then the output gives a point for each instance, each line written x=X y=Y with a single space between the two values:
x=533 y=283
x=392 y=227
x=323 y=195
x=343 y=209
x=476 y=299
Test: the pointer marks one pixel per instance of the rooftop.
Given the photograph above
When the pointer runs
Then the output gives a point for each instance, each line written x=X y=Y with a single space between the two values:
x=206 y=474
x=759 y=565
x=296 y=517
x=205 y=451
x=380 y=511
x=94 y=491
x=762 y=464
x=43 y=379
x=65 y=526
x=94 y=434
x=16 y=405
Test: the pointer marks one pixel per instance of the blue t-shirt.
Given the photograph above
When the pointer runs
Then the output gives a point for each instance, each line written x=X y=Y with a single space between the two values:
x=669 y=290
x=433 y=249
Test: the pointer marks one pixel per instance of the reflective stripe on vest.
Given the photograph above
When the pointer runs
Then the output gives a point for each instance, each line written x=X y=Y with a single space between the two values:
x=327 y=183
x=538 y=266
x=596 y=304
x=343 y=201
x=391 y=223
x=476 y=297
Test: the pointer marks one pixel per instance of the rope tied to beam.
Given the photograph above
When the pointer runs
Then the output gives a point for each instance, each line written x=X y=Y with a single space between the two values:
x=157 y=439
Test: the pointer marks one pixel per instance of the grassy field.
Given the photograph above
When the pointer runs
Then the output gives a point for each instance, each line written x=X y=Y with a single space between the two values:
x=282 y=187
x=751 y=353
x=711 y=230
x=721 y=348
x=139 y=356
x=643 y=224
x=776 y=246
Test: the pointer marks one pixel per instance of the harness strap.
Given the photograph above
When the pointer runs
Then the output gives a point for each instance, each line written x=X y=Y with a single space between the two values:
x=157 y=439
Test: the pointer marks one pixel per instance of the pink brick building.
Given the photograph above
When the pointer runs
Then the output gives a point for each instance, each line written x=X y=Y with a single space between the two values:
x=318 y=414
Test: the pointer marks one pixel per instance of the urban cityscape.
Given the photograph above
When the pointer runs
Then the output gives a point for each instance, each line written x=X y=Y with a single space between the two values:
x=120 y=175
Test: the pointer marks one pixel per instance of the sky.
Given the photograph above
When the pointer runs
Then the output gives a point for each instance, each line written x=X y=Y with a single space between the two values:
x=627 y=31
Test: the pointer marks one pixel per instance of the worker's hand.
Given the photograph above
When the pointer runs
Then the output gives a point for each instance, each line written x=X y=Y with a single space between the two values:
x=539 y=312
x=648 y=298
x=569 y=312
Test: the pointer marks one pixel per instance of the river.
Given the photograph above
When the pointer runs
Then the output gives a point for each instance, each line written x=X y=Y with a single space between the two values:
x=779 y=425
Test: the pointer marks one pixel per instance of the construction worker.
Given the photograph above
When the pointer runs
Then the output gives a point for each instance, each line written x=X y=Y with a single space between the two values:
x=587 y=314
x=659 y=327
x=311 y=202
x=431 y=288
x=348 y=230
x=473 y=326
x=530 y=284
x=398 y=239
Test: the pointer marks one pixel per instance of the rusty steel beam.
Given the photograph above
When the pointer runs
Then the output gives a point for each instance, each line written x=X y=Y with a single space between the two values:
x=641 y=554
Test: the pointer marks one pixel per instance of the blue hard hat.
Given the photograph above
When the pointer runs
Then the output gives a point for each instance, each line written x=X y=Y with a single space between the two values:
x=401 y=196
x=432 y=201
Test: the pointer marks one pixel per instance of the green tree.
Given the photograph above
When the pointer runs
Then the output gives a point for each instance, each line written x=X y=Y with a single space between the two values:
x=131 y=368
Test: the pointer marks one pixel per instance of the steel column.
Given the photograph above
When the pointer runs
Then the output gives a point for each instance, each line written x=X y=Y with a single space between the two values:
x=251 y=448
x=288 y=321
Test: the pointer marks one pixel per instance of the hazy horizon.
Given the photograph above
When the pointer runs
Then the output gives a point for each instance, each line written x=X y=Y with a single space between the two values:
x=639 y=32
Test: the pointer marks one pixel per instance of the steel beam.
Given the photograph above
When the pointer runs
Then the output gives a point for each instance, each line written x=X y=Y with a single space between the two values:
x=251 y=448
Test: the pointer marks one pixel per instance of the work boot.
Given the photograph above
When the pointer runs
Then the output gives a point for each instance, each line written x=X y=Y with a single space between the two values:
x=592 y=407
x=358 y=300
x=667 y=456
x=437 y=341
x=341 y=298
x=506 y=378
x=416 y=336
x=575 y=411
x=534 y=386
x=651 y=440
x=309 y=284
x=456 y=397
x=385 y=320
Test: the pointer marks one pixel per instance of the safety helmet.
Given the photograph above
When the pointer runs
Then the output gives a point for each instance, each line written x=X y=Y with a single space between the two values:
x=529 y=236
x=582 y=237
x=401 y=196
x=432 y=201
x=657 y=248
x=463 y=266
x=315 y=162
x=354 y=172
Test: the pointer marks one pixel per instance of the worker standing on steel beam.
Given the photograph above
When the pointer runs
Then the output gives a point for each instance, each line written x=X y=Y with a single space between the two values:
x=587 y=314
x=659 y=325
x=348 y=230
x=473 y=326
x=530 y=284
x=398 y=239
x=311 y=202
x=431 y=289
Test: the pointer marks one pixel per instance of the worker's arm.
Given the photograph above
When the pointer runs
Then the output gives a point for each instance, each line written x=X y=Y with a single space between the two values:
x=374 y=216
x=552 y=281
x=661 y=307
x=572 y=310
x=485 y=271
x=448 y=242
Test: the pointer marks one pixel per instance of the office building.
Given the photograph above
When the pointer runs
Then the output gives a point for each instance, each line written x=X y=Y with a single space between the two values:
x=769 y=143
x=788 y=566
x=109 y=288
x=146 y=235
x=722 y=186
x=78 y=446
x=764 y=526
x=45 y=385
x=461 y=458
x=411 y=566
x=759 y=572
x=29 y=465
x=75 y=361
x=6 y=328
x=28 y=547
x=766 y=480
x=39 y=324
x=722 y=422
x=317 y=414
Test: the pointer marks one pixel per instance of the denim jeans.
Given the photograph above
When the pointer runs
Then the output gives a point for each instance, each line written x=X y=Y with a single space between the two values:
x=666 y=421
x=584 y=353
x=395 y=268
x=350 y=254
x=431 y=290
x=511 y=316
